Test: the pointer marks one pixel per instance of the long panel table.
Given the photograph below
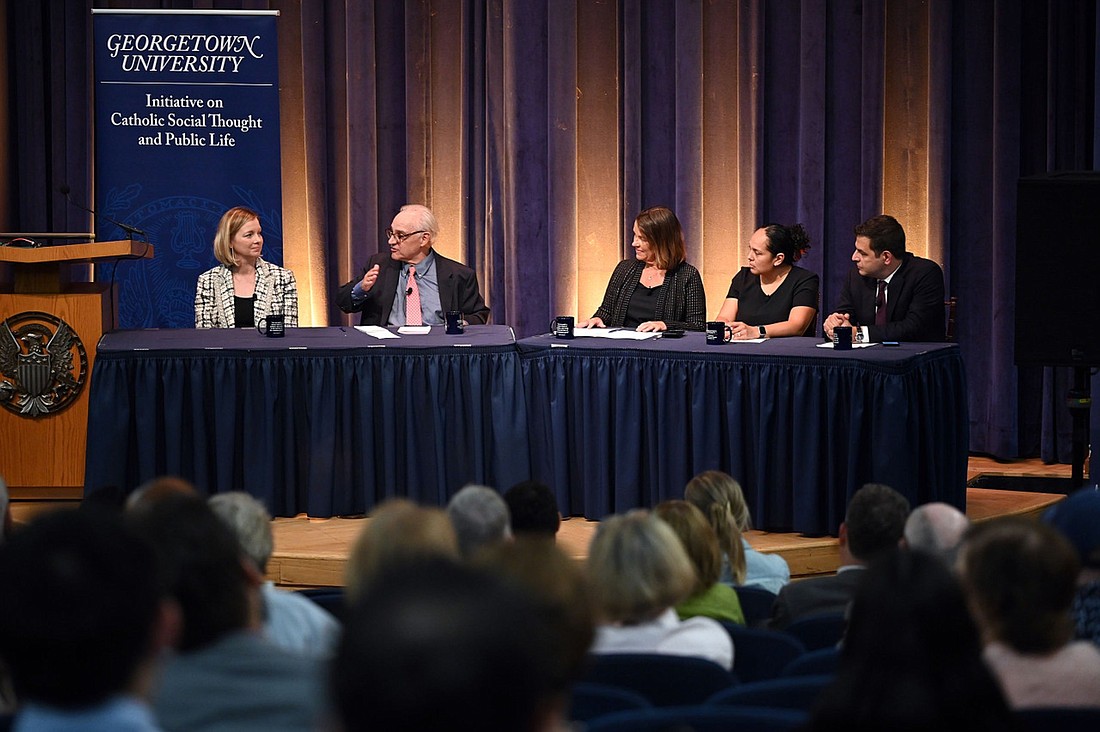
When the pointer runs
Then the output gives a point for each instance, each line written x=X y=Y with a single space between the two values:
x=620 y=424
x=327 y=421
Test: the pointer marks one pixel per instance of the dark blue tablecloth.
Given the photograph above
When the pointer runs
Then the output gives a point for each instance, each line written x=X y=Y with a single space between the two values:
x=327 y=421
x=620 y=424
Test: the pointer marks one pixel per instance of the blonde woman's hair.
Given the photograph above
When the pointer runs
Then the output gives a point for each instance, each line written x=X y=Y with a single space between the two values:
x=699 y=539
x=231 y=222
x=638 y=568
x=720 y=499
x=397 y=531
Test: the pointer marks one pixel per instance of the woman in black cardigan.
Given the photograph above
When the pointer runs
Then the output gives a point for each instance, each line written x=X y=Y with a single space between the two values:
x=656 y=289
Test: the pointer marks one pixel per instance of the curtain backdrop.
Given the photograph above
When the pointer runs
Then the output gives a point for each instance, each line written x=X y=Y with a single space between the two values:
x=537 y=129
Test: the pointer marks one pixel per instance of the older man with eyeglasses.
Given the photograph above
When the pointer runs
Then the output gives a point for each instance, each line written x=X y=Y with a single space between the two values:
x=413 y=284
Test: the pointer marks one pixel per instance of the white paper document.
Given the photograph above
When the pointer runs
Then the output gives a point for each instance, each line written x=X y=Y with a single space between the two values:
x=854 y=345
x=376 y=331
x=415 y=329
x=615 y=333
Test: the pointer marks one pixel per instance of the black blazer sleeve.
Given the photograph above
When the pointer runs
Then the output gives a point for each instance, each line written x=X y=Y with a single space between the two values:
x=458 y=290
x=375 y=307
x=915 y=311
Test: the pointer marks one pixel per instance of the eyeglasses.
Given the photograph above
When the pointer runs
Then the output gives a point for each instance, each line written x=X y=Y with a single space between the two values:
x=391 y=234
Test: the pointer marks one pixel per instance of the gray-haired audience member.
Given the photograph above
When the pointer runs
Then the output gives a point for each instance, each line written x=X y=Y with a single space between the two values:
x=533 y=509
x=936 y=529
x=433 y=645
x=291 y=620
x=1078 y=519
x=83 y=622
x=225 y=674
x=480 y=517
x=872 y=528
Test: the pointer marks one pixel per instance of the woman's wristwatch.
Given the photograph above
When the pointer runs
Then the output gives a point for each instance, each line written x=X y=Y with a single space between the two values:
x=763 y=332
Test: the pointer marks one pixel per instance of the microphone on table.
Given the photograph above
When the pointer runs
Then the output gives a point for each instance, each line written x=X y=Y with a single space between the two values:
x=131 y=230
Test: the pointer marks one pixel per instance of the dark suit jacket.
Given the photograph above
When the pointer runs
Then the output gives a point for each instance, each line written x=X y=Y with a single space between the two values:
x=457 y=290
x=914 y=302
x=814 y=596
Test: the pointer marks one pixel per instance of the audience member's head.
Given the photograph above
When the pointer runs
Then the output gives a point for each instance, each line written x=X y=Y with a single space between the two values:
x=82 y=616
x=912 y=656
x=722 y=501
x=1077 y=518
x=397 y=531
x=936 y=529
x=155 y=490
x=873 y=524
x=437 y=645
x=638 y=568
x=1020 y=576
x=249 y=521
x=559 y=585
x=533 y=509
x=480 y=517
x=203 y=566
x=698 y=539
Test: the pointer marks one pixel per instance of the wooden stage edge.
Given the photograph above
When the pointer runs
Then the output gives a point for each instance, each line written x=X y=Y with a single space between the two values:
x=312 y=552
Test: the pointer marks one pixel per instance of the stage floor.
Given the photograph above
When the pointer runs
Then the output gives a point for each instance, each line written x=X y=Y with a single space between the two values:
x=313 y=552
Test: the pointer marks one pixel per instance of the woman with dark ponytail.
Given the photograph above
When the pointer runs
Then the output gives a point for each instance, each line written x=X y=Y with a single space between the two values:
x=773 y=296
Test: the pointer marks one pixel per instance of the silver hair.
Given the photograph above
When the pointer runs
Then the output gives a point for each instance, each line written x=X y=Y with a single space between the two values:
x=250 y=522
x=480 y=517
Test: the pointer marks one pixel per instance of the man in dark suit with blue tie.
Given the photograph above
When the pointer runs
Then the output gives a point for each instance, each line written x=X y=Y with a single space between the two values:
x=891 y=295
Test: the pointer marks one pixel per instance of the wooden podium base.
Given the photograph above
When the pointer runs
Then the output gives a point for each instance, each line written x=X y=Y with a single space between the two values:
x=43 y=457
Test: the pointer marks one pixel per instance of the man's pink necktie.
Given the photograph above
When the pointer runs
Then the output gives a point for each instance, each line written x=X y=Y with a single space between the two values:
x=412 y=300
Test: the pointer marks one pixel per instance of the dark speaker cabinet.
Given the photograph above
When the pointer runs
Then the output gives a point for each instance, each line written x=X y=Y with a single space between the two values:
x=1058 y=270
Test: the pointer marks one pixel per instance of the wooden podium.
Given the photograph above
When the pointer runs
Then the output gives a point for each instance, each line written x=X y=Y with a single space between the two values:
x=44 y=384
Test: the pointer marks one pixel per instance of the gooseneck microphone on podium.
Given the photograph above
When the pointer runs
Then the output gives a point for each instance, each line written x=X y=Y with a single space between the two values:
x=131 y=231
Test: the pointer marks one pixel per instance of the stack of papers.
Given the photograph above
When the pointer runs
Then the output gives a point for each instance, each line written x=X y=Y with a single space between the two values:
x=616 y=333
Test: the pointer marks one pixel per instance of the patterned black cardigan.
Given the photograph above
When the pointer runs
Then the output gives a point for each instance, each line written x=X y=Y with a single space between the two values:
x=681 y=303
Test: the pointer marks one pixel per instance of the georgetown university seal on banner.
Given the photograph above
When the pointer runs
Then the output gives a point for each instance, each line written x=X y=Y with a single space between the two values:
x=43 y=364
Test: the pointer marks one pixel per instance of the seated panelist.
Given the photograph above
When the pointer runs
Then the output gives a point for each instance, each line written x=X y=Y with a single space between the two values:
x=773 y=296
x=656 y=289
x=244 y=287
x=891 y=295
x=412 y=284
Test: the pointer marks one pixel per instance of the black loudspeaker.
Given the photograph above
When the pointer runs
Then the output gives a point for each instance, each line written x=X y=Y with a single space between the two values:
x=1058 y=270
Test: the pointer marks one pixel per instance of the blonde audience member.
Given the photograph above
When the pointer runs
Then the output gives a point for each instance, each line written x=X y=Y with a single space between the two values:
x=639 y=573
x=721 y=500
x=709 y=597
x=1019 y=575
x=398 y=530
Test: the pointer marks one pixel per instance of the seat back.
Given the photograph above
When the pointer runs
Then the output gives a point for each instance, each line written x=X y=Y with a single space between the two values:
x=818 y=631
x=701 y=718
x=761 y=654
x=792 y=692
x=589 y=701
x=1063 y=719
x=814 y=663
x=756 y=604
x=663 y=679
x=330 y=598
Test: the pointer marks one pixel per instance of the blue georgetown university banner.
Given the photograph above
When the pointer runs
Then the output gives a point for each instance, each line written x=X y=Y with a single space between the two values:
x=187 y=126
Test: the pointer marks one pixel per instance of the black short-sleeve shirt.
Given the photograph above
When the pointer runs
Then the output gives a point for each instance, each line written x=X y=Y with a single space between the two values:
x=799 y=289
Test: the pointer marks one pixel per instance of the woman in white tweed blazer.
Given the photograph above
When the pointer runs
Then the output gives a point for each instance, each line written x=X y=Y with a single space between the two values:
x=243 y=288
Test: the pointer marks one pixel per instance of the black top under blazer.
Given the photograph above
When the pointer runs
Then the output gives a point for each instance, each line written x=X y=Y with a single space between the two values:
x=681 y=303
